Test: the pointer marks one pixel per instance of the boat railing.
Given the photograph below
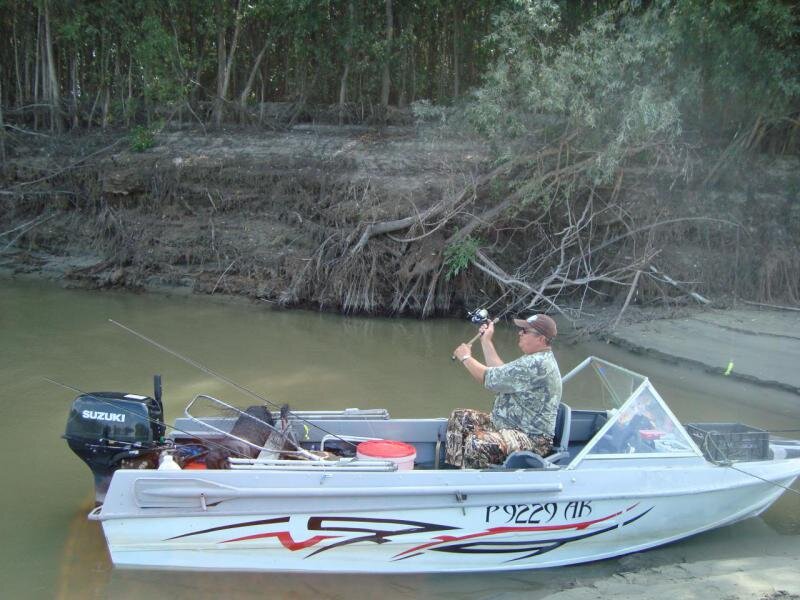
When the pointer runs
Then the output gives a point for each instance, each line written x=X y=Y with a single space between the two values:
x=338 y=415
x=345 y=464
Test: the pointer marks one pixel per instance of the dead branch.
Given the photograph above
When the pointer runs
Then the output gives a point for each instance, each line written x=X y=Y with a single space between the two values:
x=664 y=277
x=628 y=298
x=25 y=228
x=70 y=166
x=776 y=306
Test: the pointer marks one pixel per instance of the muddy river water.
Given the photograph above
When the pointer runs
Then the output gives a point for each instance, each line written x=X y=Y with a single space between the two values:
x=310 y=360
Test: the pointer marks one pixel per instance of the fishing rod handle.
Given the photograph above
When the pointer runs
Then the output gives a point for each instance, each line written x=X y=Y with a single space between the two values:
x=475 y=338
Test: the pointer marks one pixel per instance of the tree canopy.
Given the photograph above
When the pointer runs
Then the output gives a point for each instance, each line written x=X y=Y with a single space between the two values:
x=712 y=66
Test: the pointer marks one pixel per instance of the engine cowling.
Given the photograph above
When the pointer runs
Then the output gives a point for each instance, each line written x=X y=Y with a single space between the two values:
x=109 y=430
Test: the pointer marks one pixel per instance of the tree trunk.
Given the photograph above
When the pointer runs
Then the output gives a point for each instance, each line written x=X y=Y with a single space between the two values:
x=347 y=59
x=263 y=98
x=386 y=83
x=74 y=92
x=413 y=72
x=251 y=79
x=343 y=90
x=431 y=63
x=456 y=49
x=36 y=65
x=107 y=103
x=26 y=68
x=402 y=88
x=225 y=63
x=90 y=119
x=130 y=91
x=55 y=97
x=15 y=42
x=2 y=124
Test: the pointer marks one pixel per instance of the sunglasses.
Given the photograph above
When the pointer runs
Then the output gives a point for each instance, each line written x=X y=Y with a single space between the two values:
x=521 y=331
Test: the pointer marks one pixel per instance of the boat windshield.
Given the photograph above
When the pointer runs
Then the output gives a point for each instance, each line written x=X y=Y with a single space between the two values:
x=597 y=384
x=643 y=426
x=635 y=420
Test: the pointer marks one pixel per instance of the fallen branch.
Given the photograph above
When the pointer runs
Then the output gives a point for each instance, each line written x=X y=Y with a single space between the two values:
x=70 y=166
x=634 y=283
x=374 y=229
x=772 y=306
x=222 y=276
x=676 y=285
x=26 y=227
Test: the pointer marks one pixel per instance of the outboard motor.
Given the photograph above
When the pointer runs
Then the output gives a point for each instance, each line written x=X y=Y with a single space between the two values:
x=112 y=430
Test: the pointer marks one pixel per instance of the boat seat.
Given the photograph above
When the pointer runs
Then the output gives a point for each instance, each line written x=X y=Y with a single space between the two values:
x=525 y=459
x=562 y=433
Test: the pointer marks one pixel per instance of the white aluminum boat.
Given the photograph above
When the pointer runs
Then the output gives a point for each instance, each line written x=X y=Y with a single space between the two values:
x=627 y=476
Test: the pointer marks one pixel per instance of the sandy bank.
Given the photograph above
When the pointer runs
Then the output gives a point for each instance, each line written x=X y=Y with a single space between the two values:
x=757 y=345
x=733 y=579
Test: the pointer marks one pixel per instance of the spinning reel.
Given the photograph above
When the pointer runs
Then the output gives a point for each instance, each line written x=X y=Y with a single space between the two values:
x=478 y=316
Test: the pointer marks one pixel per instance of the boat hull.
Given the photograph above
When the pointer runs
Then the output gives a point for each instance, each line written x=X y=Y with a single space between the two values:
x=424 y=521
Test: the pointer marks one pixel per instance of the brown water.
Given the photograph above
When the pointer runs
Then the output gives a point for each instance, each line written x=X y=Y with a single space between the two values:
x=50 y=550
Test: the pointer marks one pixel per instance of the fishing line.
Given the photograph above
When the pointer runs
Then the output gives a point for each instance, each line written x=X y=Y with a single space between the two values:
x=728 y=465
x=506 y=293
x=784 y=487
x=225 y=379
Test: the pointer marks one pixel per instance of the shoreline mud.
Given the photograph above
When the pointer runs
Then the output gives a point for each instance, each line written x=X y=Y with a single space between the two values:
x=756 y=345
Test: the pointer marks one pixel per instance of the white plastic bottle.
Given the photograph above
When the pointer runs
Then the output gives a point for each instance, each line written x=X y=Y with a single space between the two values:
x=167 y=463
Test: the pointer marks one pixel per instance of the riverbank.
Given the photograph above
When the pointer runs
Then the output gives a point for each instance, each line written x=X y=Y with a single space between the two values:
x=773 y=578
x=757 y=345
x=378 y=221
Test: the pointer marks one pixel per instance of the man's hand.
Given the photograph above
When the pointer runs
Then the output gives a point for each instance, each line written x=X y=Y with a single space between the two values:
x=487 y=345
x=462 y=351
x=487 y=331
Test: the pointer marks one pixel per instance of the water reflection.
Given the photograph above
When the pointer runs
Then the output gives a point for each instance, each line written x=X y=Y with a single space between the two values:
x=311 y=361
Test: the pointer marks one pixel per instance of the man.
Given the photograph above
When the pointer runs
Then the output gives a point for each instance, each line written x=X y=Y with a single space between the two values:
x=528 y=393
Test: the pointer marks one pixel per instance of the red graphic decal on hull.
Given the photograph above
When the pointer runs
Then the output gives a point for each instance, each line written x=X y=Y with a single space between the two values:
x=286 y=539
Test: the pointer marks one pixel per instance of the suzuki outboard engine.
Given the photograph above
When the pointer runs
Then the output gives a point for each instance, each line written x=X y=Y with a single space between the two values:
x=112 y=430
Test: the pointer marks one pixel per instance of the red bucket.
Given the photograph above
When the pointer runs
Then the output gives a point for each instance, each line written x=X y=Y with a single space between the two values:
x=400 y=453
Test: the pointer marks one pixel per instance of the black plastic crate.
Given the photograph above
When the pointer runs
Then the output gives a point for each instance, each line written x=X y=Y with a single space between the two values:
x=730 y=442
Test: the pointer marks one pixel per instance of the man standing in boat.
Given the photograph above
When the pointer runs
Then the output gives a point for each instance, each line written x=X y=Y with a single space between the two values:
x=528 y=394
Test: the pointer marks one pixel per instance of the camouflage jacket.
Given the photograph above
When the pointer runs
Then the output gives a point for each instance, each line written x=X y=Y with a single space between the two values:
x=528 y=392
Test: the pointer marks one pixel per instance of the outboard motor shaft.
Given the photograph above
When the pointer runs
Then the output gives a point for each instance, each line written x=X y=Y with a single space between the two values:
x=106 y=428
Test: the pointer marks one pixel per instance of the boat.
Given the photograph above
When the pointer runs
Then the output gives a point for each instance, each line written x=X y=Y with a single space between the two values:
x=355 y=491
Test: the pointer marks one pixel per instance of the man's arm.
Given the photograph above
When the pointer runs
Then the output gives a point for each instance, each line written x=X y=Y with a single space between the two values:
x=487 y=345
x=463 y=355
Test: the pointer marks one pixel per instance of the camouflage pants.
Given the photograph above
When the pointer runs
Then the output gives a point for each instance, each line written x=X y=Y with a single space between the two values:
x=473 y=442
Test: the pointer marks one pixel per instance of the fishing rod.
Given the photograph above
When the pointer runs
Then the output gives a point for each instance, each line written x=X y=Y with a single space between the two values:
x=227 y=380
x=481 y=315
x=139 y=416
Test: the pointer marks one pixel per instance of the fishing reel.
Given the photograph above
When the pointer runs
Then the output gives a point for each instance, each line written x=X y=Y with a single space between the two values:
x=478 y=316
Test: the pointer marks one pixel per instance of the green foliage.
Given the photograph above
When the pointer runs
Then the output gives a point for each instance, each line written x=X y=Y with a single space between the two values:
x=737 y=60
x=141 y=138
x=458 y=255
x=633 y=77
x=153 y=53
x=624 y=72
